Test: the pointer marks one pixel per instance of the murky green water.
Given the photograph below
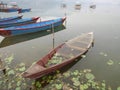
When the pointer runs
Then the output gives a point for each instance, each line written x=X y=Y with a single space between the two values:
x=103 y=59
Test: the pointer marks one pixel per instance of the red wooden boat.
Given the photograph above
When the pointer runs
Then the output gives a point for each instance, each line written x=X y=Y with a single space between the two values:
x=60 y=56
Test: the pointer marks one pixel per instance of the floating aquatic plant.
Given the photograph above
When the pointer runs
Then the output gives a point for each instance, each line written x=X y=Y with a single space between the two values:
x=110 y=62
x=118 y=88
x=12 y=79
x=89 y=76
x=103 y=54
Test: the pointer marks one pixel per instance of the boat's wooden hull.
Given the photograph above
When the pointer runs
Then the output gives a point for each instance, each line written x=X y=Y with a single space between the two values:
x=40 y=69
x=30 y=28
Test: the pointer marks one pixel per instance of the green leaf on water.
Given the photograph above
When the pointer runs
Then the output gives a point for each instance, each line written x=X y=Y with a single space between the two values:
x=76 y=72
x=22 y=69
x=90 y=76
x=110 y=62
x=9 y=59
x=18 y=83
x=118 y=88
x=103 y=84
x=83 y=56
x=76 y=83
x=22 y=64
x=105 y=55
x=81 y=87
x=18 y=88
x=58 y=86
x=38 y=84
x=11 y=72
x=85 y=86
x=66 y=74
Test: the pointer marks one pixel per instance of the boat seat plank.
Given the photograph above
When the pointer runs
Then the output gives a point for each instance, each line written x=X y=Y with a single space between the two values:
x=75 y=47
x=36 y=68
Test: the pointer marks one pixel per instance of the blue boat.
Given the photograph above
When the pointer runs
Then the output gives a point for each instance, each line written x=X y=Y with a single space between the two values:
x=30 y=28
x=10 y=18
x=11 y=8
x=19 y=22
x=24 y=10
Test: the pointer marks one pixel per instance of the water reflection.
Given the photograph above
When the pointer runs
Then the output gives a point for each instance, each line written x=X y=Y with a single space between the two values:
x=21 y=38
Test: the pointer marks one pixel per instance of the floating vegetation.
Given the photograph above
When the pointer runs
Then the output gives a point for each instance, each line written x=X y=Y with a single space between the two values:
x=69 y=80
x=110 y=62
x=104 y=54
x=118 y=88
x=77 y=80
x=83 y=56
x=12 y=80
x=56 y=59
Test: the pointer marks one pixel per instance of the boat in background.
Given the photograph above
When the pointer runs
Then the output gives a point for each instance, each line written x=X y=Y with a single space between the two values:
x=24 y=10
x=4 y=7
x=60 y=56
x=19 y=22
x=7 y=41
x=10 y=18
x=77 y=6
x=30 y=28
x=93 y=6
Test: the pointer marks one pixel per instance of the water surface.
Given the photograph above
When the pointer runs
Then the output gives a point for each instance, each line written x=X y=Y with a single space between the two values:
x=103 y=21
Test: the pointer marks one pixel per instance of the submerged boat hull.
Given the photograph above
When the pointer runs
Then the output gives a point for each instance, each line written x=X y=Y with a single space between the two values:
x=69 y=51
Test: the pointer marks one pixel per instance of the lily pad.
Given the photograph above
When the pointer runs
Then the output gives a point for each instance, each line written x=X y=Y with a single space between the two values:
x=110 y=62
x=9 y=59
x=76 y=83
x=11 y=72
x=22 y=64
x=118 y=88
x=22 y=69
x=83 y=56
x=90 y=76
x=18 y=88
x=58 y=86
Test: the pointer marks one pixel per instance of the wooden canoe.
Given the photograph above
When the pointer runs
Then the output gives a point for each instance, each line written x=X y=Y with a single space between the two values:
x=62 y=55
x=10 y=18
x=30 y=28
x=19 y=22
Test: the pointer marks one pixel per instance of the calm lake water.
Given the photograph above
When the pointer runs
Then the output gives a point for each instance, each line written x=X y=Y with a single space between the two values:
x=104 y=21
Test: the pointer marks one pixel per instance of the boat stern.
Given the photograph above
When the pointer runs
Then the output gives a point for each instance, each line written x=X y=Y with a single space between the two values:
x=5 y=33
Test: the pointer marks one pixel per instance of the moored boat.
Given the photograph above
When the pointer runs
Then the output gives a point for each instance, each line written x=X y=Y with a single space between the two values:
x=4 y=7
x=7 y=41
x=10 y=18
x=24 y=10
x=18 y=22
x=30 y=28
x=60 y=56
